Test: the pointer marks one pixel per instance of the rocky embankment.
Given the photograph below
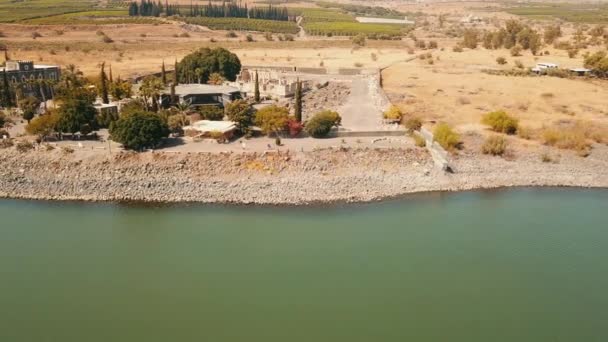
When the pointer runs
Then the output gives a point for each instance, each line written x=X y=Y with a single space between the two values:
x=302 y=178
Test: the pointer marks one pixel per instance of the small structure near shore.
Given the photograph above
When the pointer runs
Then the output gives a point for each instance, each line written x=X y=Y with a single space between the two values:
x=211 y=129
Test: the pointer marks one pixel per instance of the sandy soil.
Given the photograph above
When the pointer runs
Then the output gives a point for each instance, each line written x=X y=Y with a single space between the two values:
x=455 y=90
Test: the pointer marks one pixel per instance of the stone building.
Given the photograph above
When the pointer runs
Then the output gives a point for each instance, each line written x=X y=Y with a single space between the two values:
x=25 y=74
x=273 y=83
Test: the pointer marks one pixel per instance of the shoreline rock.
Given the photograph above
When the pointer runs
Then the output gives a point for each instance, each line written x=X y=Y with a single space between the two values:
x=309 y=178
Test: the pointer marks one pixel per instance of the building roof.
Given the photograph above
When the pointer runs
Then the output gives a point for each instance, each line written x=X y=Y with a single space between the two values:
x=211 y=126
x=580 y=70
x=36 y=66
x=202 y=89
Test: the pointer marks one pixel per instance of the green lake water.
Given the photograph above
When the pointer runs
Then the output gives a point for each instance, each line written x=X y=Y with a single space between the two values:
x=517 y=265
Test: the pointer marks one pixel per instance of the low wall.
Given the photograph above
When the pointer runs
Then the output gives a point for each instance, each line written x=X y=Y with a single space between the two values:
x=439 y=155
x=380 y=133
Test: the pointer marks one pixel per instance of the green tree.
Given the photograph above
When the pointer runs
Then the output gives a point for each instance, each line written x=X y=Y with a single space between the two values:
x=216 y=79
x=139 y=130
x=240 y=112
x=103 y=84
x=76 y=110
x=150 y=91
x=209 y=61
x=256 y=91
x=29 y=106
x=598 y=63
x=359 y=40
x=470 y=38
x=321 y=123
x=552 y=33
x=163 y=74
x=43 y=125
x=6 y=99
x=298 y=102
x=272 y=119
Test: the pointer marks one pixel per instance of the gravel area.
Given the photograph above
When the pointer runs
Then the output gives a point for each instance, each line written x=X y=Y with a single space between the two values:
x=331 y=175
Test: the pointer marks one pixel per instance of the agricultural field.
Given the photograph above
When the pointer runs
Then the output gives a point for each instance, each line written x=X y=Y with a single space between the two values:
x=321 y=15
x=14 y=11
x=244 y=24
x=104 y=17
x=578 y=13
x=340 y=28
x=327 y=22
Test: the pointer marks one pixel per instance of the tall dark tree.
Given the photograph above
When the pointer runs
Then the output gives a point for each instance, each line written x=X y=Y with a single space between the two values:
x=256 y=91
x=298 y=101
x=7 y=93
x=111 y=77
x=175 y=77
x=163 y=74
x=103 y=84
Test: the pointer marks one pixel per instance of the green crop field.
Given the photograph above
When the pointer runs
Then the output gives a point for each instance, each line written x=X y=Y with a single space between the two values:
x=320 y=14
x=327 y=21
x=102 y=17
x=16 y=10
x=354 y=28
x=245 y=24
x=579 y=13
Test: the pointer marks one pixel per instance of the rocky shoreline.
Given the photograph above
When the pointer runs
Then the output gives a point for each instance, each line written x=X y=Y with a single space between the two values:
x=324 y=176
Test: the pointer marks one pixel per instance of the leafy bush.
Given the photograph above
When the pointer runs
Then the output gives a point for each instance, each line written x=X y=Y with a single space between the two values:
x=393 y=113
x=212 y=113
x=139 y=130
x=419 y=140
x=446 y=137
x=501 y=60
x=457 y=48
x=321 y=123
x=501 y=122
x=516 y=51
x=272 y=119
x=240 y=112
x=413 y=124
x=295 y=127
x=494 y=145
x=571 y=140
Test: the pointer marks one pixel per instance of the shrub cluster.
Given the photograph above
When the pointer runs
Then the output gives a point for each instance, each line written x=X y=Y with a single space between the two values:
x=501 y=122
x=321 y=123
x=445 y=136
x=494 y=145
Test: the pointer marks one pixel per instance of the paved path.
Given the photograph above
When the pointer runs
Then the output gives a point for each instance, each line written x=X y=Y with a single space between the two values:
x=360 y=112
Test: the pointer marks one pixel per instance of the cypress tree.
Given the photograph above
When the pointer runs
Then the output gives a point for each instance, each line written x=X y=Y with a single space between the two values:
x=7 y=97
x=111 y=77
x=298 y=101
x=104 y=84
x=164 y=74
x=257 y=88
x=175 y=78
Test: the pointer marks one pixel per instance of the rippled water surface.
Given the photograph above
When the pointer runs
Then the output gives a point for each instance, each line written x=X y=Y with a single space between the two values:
x=518 y=265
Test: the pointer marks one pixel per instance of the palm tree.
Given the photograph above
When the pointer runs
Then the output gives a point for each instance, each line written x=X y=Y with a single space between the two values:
x=150 y=91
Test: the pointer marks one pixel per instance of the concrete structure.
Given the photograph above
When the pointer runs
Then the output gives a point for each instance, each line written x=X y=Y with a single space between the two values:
x=542 y=67
x=110 y=108
x=580 y=71
x=201 y=95
x=273 y=83
x=211 y=129
x=24 y=74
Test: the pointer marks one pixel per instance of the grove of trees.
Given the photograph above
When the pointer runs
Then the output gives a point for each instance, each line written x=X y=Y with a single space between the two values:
x=198 y=66
x=228 y=9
